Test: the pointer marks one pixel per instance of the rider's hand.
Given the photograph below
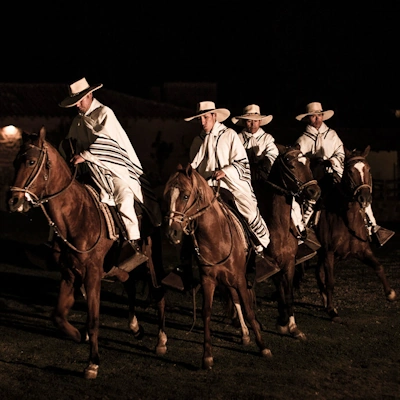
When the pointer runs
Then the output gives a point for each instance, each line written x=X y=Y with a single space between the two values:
x=219 y=174
x=77 y=159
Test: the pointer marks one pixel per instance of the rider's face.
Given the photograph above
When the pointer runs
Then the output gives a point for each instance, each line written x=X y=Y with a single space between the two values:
x=207 y=121
x=315 y=120
x=84 y=104
x=252 y=125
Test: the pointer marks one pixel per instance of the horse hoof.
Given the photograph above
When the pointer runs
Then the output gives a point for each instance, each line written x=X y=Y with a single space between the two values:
x=91 y=371
x=266 y=353
x=161 y=350
x=299 y=335
x=282 y=329
x=138 y=335
x=391 y=296
x=245 y=340
x=208 y=363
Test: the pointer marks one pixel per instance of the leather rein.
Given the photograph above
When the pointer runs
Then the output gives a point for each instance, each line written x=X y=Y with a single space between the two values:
x=43 y=160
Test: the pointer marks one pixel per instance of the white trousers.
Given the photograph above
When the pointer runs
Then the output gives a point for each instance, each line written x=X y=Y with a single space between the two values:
x=125 y=203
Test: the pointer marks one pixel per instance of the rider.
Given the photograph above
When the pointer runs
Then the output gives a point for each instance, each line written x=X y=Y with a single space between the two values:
x=260 y=147
x=104 y=147
x=219 y=156
x=321 y=142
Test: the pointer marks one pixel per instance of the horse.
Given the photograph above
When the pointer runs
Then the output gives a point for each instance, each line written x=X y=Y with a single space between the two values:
x=195 y=209
x=290 y=177
x=83 y=248
x=342 y=226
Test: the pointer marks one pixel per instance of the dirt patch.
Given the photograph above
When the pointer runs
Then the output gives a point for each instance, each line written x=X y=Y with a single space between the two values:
x=359 y=359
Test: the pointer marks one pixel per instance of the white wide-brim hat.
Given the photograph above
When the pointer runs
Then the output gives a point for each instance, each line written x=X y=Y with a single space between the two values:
x=315 y=108
x=252 y=112
x=77 y=91
x=207 y=107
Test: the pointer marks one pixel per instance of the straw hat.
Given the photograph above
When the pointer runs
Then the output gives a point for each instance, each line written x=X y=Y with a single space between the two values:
x=252 y=112
x=315 y=108
x=207 y=107
x=77 y=91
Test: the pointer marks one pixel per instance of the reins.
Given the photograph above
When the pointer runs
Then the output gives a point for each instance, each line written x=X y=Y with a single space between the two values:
x=39 y=202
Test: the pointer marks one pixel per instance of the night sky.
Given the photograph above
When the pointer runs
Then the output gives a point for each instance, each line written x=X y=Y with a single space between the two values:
x=280 y=56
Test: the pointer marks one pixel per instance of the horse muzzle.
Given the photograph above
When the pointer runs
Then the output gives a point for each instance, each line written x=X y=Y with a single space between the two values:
x=18 y=203
x=364 y=197
x=312 y=192
x=174 y=233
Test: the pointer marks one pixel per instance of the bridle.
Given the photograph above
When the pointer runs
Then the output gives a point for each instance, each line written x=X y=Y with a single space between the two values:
x=188 y=220
x=44 y=162
x=287 y=177
x=353 y=186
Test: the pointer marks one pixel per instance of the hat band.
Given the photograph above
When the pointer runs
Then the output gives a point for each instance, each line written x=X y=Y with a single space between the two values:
x=206 y=111
x=77 y=94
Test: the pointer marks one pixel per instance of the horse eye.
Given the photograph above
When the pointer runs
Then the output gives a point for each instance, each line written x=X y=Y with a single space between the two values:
x=186 y=197
x=31 y=162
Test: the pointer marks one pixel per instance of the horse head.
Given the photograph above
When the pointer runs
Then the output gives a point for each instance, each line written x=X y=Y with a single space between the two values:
x=187 y=196
x=292 y=170
x=33 y=171
x=357 y=178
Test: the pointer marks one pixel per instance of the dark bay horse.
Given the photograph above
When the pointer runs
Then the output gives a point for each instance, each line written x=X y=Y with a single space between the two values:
x=195 y=209
x=341 y=227
x=82 y=246
x=290 y=177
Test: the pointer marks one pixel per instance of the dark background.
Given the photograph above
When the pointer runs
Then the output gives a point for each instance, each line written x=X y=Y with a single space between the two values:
x=280 y=55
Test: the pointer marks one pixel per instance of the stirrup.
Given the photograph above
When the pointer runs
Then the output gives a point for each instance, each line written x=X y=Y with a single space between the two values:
x=382 y=235
x=129 y=258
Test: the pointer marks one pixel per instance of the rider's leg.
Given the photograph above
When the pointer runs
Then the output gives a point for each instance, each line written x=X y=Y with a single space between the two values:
x=124 y=201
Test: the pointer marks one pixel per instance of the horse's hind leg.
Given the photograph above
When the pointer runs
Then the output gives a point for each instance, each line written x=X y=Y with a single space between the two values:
x=246 y=300
x=240 y=317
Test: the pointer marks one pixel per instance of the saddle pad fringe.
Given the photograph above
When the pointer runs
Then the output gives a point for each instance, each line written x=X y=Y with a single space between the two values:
x=111 y=229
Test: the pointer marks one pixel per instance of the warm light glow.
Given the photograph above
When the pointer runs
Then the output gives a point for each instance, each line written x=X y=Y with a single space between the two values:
x=10 y=133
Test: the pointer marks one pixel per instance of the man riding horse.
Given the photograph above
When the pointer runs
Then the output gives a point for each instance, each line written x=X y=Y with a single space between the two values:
x=103 y=145
x=323 y=146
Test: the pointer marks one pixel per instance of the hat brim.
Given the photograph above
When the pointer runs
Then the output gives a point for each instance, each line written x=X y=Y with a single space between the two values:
x=222 y=114
x=327 y=114
x=75 y=99
x=265 y=119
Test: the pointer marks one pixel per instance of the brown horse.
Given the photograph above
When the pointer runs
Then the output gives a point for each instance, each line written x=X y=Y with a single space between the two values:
x=82 y=246
x=290 y=177
x=342 y=229
x=220 y=245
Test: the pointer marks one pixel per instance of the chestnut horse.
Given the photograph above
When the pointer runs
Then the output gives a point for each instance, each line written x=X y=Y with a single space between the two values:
x=342 y=229
x=82 y=246
x=220 y=245
x=290 y=177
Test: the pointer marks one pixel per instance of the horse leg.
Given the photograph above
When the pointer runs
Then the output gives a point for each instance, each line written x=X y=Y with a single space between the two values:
x=93 y=286
x=65 y=301
x=246 y=300
x=239 y=316
x=370 y=260
x=326 y=284
x=208 y=295
x=286 y=323
x=133 y=323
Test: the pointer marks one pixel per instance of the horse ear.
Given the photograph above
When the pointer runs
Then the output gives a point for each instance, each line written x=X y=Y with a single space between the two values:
x=282 y=149
x=297 y=146
x=42 y=133
x=189 y=169
x=347 y=152
x=366 y=151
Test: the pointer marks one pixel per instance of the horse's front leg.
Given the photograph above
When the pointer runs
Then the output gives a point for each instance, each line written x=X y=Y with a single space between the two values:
x=370 y=260
x=326 y=283
x=93 y=287
x=286 y=324
x=65 y=301
x=208 y=294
